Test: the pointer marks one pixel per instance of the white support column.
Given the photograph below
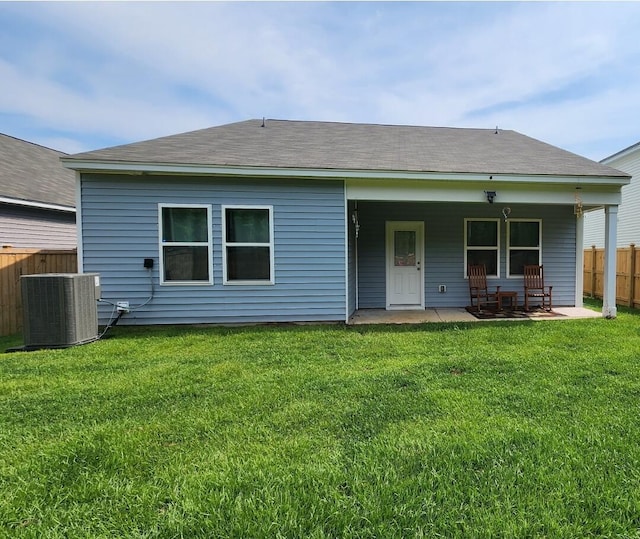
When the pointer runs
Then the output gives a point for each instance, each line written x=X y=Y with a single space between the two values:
x=579 y=260
x=610 y=241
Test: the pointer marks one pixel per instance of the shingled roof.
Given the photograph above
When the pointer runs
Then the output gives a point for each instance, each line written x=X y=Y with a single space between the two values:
x=31 y=173
x=354 y=147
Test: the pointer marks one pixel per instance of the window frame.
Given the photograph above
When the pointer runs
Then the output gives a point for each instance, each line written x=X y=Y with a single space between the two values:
x=162 y=244
x=495 y=248
x=226 y=244
x=520 y=248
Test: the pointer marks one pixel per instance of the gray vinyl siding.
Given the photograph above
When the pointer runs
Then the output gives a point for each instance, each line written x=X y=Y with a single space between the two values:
x=628 y=211
x=120 y=229
x=34 y=228
x=444 y=249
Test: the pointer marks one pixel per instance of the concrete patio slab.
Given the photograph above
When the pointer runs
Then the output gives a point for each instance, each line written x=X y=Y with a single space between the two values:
x=382 y=316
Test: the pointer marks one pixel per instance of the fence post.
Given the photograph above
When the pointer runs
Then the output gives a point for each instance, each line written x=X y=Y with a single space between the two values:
x=593 y=271
x=632 y=273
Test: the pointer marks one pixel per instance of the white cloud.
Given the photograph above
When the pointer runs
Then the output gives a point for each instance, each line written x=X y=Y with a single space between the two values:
x=128 y=71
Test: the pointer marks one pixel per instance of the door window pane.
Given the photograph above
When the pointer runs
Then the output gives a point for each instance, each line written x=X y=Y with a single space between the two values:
x=404 y=242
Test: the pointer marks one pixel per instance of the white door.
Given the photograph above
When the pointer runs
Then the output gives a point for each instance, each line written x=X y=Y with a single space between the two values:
x=405 y=282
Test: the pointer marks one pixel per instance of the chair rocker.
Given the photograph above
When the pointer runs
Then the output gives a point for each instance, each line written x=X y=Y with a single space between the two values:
x=535 y=288
x=478 y=290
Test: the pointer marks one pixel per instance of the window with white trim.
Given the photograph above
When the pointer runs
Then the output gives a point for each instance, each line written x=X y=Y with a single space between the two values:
x=247 y=239
x=524 y=245
x=185 y=244
x=482 y=245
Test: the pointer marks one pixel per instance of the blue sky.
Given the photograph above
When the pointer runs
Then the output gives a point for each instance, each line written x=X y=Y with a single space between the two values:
x=76 y=76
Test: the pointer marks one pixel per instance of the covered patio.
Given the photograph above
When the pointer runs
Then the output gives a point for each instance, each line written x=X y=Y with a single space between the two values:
x=450 y=314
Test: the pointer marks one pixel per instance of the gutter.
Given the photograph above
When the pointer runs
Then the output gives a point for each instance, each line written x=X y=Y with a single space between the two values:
x=40 y=205
x=137 y=168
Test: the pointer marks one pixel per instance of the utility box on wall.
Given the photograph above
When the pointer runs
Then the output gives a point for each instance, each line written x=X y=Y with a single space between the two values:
x=59 y=309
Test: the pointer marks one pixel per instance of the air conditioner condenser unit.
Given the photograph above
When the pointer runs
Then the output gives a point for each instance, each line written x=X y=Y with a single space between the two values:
x=59 y=309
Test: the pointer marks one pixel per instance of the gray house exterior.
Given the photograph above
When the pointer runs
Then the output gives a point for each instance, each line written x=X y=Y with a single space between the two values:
x=37 y=197
x=268 y=221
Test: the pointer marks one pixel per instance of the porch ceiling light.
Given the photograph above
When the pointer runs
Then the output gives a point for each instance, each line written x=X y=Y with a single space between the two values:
x=491 y=195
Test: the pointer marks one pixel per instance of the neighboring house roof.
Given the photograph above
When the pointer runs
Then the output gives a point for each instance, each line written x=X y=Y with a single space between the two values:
x=33 y=175
x=622 y=153
x=283 y=144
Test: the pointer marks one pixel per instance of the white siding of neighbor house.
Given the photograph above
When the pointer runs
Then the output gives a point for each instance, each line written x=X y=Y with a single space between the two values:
x=444 y=249
x=35 y=228
x=120 y=230
x=628 y=211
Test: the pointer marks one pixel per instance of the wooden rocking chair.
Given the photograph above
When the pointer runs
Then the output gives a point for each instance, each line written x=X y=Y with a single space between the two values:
x=478 y=291
x=534 y=287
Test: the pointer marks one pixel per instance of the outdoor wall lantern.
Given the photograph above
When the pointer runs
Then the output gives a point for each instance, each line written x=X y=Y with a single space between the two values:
x=491 y=195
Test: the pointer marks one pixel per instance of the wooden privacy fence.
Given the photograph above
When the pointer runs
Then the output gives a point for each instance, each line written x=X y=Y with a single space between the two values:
x=627 y=274
x=17 y=262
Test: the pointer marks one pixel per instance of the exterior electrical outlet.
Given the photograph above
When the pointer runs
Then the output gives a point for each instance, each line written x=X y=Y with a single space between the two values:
x=442 y=288
x=122 y=306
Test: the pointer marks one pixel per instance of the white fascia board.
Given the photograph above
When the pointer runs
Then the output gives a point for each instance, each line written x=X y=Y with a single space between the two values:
x=40 y=205
x=337 y=174
x=420 y=191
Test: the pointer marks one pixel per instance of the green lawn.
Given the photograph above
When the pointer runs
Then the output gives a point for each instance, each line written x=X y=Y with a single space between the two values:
x=514 y=429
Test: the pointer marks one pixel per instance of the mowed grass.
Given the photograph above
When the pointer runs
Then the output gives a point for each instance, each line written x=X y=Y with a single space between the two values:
x=440 y=430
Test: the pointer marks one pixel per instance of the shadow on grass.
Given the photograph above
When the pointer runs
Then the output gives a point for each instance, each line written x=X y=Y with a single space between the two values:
x=181 y=330
x=272 y=328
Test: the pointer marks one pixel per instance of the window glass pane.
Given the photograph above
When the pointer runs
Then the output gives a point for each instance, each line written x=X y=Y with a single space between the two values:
x=519 y=258
x=482 y=233
x=248 y=263
x=487 y=257
x=247 y=225
x=524 y=234
x=186 y=263
x=184 y=224
x=404 y=242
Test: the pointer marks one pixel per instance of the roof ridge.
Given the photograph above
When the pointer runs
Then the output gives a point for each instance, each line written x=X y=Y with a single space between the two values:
x=367 y=124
